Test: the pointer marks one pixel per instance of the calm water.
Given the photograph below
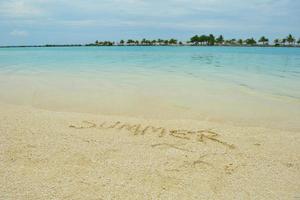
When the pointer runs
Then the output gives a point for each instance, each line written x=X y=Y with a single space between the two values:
x=253 y=86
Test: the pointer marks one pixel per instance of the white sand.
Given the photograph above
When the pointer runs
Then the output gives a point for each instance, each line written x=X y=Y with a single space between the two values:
x=55 y=155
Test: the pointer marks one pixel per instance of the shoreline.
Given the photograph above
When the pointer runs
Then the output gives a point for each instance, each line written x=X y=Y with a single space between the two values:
x=149 y=123
x=53 y=46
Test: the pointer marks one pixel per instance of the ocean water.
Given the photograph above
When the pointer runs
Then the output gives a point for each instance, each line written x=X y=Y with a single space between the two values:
x=243 y=86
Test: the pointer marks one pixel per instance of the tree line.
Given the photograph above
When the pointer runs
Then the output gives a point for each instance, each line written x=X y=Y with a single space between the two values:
x=212 y=40
x=196 y=40
x=143 y=42
x=203 y=40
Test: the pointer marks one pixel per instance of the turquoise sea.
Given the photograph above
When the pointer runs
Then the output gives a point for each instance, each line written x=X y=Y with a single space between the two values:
x=241 y=85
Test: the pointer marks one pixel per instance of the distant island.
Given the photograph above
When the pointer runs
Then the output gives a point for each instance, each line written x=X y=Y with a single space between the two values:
x=197 y=40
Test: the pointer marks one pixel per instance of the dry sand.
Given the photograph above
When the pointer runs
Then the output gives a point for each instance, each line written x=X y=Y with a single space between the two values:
x=60 y=155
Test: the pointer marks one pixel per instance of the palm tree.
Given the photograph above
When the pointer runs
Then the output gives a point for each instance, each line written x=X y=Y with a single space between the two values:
x=250 y=42
x=160 y=41
x=173 y=41
x=203 y=39
x=130 y=42
x=233 y=41
x=290 y=39
x=298 y=42
x=266 y=41
x=240 y=42
x=230 y=42
x=283 y=41
x=122 y=42
x=263 y=40
x=195 y=40
x=211 y=39
x=276 y=42
x=153 y=42
x=220 y=40
x=144 y=41
x=148 y=42
x=107 y=43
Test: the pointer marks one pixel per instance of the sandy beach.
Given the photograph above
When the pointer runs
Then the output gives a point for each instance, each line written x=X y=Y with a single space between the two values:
x=149 y=100
x=59 y=155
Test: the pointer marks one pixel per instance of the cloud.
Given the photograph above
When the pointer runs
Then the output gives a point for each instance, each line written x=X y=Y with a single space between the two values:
x=19 y=33
x=19 y=9
x=143 y=8
x=64 y=18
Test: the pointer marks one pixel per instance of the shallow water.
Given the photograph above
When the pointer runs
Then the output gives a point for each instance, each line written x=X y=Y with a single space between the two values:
x=244 y=86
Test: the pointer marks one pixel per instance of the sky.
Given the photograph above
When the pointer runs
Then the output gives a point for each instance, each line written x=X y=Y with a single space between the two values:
x=30 y=22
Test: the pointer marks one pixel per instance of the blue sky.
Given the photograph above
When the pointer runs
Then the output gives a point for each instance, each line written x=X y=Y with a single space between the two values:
x=83 y=21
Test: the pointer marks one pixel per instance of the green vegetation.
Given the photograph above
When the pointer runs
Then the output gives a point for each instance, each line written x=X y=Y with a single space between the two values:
x=250 y=42
x=196 y=40
x=206 y=40
x=104 y=43
x=220 y=40
x=290 y=39
x=276 y=42
x=240 y=42
x=264 y=40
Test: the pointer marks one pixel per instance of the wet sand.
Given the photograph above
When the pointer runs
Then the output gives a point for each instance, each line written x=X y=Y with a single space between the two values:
x=63 y=155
